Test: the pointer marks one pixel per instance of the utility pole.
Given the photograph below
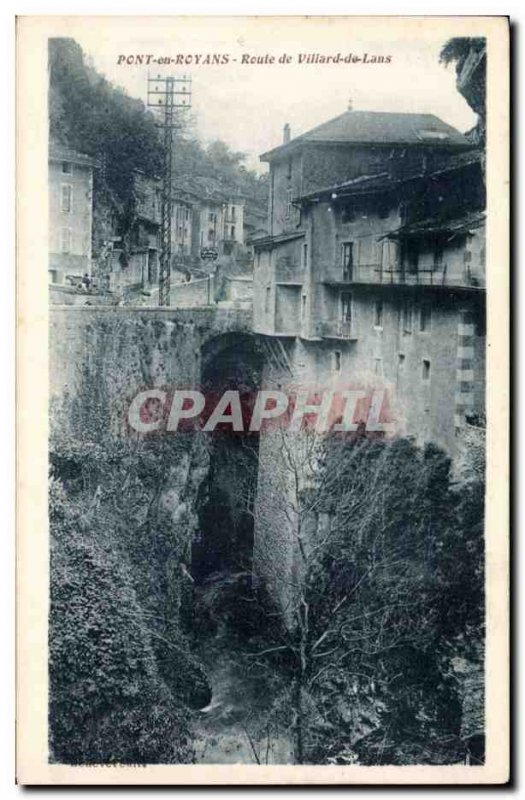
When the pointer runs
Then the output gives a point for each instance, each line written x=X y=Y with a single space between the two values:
x=165 y=95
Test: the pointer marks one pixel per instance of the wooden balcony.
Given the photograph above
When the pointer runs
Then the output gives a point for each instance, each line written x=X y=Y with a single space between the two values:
x=441 y=276
x=337 y=329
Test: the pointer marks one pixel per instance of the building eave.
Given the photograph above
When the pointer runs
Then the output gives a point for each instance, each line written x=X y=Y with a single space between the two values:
x=268 y=242
x=285 y=149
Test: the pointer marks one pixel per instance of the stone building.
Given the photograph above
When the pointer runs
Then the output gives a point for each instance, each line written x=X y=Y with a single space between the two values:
x=141 y=266
x=221 y=223
x=215 y=249
x=181 y=227
x=371 y=278
x=373 y=270
x=70 y=181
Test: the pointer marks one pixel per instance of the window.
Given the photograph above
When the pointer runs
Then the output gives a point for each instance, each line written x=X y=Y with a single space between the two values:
x=400 y=367
x=383 y=209
x=413 y=258
x=348 y=214
x=425 y=370
x=425 y=317
x=67 y=168
x=336 y=361
x=267 y=299
x=303 y=306
x=378 y=367
x=289 y=202
x=480 y=323
x=410 y=255
x=290 y=168
x=406 y=316
x=347 y=254
x=346 y=307
x=438 y=256
x=305 y=255
x=65 y=240
x=378 y=314
x=66 y=197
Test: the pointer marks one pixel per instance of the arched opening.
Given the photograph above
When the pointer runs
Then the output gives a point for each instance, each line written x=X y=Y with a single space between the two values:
x=222 y=549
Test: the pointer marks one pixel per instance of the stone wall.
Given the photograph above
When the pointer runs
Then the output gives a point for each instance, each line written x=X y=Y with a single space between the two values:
x=138 y=347
x=194 y=293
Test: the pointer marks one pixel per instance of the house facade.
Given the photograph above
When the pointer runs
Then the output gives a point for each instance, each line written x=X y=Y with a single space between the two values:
x=371 y=278
x=141 y=265
x=70 y=182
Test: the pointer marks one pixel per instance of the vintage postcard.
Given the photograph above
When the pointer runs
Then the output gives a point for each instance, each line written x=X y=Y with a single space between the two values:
x=263 y=404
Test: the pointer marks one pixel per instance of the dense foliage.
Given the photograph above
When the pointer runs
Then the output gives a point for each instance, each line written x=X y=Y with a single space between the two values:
x=122 y=676
x=90 y=115
x=457 y=49
x=108 y=701
x=387 y=601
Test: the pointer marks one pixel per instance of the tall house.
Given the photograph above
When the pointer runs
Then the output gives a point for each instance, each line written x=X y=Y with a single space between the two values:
x=373 y=272
x=221 y=224
x=70 y=181
x=233 y=225
x=210 y=223
x=141 y=266
x=181 y=229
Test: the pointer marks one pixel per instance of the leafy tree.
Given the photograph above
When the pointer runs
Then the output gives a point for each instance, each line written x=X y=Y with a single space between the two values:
x=122 y=676
x=364 y=657
x=108 y=702
x=457 y=49
x=89 y=114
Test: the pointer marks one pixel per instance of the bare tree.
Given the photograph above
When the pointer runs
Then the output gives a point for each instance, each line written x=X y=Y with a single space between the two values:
x=346 y=538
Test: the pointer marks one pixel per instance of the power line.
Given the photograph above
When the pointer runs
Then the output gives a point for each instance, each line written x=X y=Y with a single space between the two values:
x=165 y=96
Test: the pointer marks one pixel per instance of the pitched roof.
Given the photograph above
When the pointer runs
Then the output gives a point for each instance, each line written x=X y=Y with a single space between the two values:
x=384 y=181
x=59 y=152
x=466 y=222
x=377 y=127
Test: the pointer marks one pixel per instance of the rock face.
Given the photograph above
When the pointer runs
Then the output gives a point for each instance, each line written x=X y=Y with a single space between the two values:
x=132 y=499
x=471 y=82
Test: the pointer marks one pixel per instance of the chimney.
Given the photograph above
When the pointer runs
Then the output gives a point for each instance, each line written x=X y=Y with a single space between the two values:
x=286 y=133
x=350 y=104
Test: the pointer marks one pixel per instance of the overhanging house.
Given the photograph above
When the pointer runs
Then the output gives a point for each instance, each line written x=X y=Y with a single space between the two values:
x=373 y=271
x=372 y=278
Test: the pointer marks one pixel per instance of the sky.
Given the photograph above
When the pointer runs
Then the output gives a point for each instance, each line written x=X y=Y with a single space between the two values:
x=247 y=105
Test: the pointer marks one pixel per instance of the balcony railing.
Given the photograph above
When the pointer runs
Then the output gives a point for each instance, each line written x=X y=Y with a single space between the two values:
x=396 y=275
x=338 y=329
